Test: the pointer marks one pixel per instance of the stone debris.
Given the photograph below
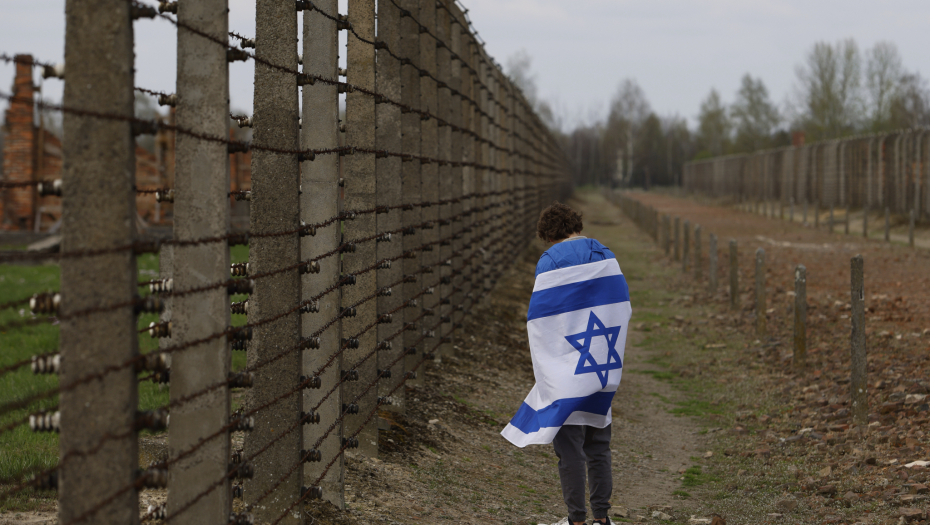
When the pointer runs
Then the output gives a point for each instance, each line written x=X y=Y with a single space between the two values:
x=659 y=515
x=619 y=512
x=708 y=454
x=699 y=521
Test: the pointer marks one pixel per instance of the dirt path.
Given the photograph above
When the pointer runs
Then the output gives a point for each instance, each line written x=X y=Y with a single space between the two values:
x=446 y=461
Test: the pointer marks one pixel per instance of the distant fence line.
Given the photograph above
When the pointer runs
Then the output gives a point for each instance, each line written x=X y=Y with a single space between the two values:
x=365 y=257
x=880 y=171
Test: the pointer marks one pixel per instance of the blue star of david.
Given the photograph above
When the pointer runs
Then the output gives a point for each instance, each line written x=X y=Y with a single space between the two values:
x=586 y=363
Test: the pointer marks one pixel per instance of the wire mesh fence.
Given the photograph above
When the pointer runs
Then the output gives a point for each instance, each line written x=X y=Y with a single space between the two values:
x=869 y=172
x=371 y=236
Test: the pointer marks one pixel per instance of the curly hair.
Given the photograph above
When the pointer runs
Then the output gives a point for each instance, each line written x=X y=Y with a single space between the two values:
x=557 y=222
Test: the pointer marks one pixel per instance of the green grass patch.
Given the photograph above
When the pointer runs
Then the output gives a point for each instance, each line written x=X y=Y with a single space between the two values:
x=23 y=452
x=695 y=477
x=681 y=494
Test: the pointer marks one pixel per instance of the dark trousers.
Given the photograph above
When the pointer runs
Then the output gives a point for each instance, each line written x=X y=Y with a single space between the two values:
x=579 y=447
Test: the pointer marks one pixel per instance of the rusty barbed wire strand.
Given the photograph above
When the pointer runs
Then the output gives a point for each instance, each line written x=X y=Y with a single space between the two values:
x=348 y=87
x=286 y=394
x=223 y=383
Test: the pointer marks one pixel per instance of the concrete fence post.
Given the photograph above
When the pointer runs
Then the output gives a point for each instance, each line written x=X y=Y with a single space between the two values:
x=412 y=190
x=698 y=263
x=444 y=229
x=98 y=212
x=712 y=270
x=360 y=192
x=389 y=193
x=319 y=202
x=456 y=246
x=910 y=228
x=760 y=292
x=275 y=206
x=887 y=225
x=677 y=238
x=800 y=315
x=734 y=276
x=859 y=373
x=686 y=246
x=201 y=209
x=429 y=148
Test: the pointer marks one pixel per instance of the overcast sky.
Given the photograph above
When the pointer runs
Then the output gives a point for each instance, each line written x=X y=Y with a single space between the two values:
x=676 y=49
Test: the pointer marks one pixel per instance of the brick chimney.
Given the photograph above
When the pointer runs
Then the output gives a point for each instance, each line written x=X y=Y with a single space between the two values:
x=17 y=205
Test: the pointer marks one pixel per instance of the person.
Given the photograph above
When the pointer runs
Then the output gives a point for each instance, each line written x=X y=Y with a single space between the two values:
x=578 y=284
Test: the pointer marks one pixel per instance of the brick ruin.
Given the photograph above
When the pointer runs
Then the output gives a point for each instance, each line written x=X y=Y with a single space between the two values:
x=32 y=153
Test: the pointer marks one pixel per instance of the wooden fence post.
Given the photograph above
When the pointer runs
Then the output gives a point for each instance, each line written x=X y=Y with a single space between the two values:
x=712 y=271
x=859 y=377
x=887 y=225
x=800 y=316
x=686 y=246
x=734 y=276
x=698 y=263
x=760 y=292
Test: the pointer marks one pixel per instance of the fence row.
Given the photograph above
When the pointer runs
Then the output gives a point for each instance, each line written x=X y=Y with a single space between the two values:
x=363 y=257
x=872 y=172
x=674 y=236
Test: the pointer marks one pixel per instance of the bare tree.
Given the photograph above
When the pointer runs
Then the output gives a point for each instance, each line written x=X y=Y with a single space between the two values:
x=910 y=103
x=714 y=127
x=754 y=116
x=828 y=90
x=883 y=72
x=629 y=109
x=520 y=70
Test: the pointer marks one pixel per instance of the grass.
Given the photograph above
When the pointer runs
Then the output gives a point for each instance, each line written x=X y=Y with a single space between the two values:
x=695 y=477
x=22 y=451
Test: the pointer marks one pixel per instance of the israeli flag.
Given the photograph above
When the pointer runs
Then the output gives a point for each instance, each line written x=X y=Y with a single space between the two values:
x=577 y=325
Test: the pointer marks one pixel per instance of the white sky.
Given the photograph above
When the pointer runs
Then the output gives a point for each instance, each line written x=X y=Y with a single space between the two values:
x=676 y=49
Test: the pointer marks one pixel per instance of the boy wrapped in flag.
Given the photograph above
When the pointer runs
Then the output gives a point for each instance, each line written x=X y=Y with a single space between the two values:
x=577 y=326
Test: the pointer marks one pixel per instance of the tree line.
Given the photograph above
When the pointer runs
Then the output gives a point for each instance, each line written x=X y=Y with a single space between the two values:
x=839 y=91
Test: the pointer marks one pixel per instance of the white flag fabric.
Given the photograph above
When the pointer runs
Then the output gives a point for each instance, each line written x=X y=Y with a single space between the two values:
x=577 y=325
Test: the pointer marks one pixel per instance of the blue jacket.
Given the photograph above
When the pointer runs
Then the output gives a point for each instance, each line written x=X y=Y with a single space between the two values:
x=572 y=253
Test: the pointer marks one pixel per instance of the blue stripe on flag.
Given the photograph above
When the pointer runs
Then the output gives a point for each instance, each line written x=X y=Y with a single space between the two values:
x=578 y=296
x=554 y=415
